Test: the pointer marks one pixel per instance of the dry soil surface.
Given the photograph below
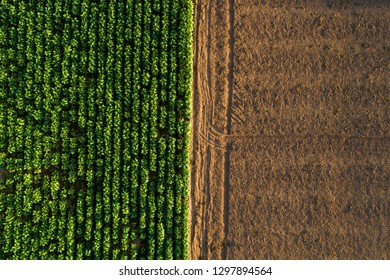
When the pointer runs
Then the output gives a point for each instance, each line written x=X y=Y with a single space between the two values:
x=291 y=130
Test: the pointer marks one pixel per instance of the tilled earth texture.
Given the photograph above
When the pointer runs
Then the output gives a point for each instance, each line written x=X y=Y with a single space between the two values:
x=291 y=130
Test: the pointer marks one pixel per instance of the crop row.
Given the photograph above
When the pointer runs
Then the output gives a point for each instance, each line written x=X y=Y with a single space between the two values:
x=94 y=129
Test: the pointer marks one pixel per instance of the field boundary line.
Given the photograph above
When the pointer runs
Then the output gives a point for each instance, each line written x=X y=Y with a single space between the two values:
x=226 y=188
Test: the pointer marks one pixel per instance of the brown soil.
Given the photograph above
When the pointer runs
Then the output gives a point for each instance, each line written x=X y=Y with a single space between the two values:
x=3 y=174
x=291 y=130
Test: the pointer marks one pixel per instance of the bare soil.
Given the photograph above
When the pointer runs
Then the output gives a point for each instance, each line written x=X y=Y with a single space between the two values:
x=291 y=130
x=3 y=174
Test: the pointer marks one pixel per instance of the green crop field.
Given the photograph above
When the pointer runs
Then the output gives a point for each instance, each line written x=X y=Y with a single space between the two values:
x=94 y=128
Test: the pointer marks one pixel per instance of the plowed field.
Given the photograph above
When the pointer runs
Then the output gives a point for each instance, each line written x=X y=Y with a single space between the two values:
x=291 y=127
